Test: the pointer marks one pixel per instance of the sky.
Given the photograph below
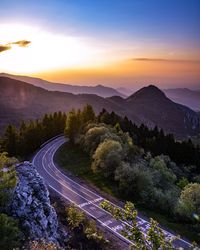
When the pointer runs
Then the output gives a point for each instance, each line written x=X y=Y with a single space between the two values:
x=128 y=43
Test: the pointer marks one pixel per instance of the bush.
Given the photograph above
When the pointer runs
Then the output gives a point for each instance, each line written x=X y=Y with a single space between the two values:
x=74 y=216
x=189 y=203
x=84 y=231
x=107 y=157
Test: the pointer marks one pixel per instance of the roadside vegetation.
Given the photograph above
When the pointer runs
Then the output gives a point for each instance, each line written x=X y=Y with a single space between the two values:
x=155 y=238
x=124 y=168
x=84 y=231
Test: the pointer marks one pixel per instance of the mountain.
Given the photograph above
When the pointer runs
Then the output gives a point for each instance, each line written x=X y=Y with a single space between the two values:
x=20 y=100
x=152 y=106
x=149 y=105
x=74 y=89
x=190 y=98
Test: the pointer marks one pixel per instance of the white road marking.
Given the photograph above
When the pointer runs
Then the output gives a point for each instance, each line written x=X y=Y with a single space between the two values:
x=90 y=202
x=118 y=228
x=108 y=222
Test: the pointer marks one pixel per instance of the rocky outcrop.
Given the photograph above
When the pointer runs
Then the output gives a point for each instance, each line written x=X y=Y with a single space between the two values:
x=31 y=205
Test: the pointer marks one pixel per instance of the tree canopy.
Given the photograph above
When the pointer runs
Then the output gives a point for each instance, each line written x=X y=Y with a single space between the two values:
x=189 y=202
x=107 y=157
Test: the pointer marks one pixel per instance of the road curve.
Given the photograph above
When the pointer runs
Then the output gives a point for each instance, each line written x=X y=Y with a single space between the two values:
x=82 y=197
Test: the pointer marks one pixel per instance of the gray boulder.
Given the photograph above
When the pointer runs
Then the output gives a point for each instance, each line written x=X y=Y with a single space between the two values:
x=31 y=205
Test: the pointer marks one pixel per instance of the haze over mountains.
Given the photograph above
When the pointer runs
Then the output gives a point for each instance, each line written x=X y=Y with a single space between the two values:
x=74 y=89
x=20 y=100
x=185 y=96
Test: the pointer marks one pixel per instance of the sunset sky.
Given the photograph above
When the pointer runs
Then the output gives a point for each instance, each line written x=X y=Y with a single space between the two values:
x=129 y=43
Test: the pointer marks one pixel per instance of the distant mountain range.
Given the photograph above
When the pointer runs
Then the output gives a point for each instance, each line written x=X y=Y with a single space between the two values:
x=74 y=89
x=185 y=96
x=20 y=100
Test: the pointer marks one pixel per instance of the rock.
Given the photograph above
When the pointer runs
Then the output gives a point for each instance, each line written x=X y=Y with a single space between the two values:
x=31 y=205
x=29 y=199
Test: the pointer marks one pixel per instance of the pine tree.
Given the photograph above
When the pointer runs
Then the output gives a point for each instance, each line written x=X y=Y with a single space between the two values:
x=72 y=126
x=88 y=114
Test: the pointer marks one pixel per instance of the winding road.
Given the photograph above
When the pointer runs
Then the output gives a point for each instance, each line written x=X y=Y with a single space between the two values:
x=82 y=197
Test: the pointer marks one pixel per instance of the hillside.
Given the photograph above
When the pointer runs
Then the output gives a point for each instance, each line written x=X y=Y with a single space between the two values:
x=149 y=105
x=188 y=97
x=19 y=100
x=74 y=89
x=152 y=107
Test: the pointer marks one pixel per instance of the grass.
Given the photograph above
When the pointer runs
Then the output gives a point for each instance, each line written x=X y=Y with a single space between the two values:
x=73 y=159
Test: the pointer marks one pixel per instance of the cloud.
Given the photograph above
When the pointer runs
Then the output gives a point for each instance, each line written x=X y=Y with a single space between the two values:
x=22 y=43
x=145 y=59
x=150 y=59
x=4 y=47
x=8 y=46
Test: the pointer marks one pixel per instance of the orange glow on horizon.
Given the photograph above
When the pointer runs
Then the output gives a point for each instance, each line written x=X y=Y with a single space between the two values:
x=129 y=73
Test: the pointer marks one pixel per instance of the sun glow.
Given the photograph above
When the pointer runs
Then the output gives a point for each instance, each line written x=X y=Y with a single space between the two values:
x=45 y=52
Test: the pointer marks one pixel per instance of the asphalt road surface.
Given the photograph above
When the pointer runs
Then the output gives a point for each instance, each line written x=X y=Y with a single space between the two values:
x=82 y=197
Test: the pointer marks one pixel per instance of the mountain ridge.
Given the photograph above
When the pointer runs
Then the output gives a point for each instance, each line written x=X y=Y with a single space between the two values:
x=184 y=96
x=99 y=89
x=21 y=100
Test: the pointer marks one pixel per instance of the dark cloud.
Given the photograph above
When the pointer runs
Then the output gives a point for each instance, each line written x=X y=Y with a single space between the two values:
x=4 y=47
x=144 y=59
x=21 y=43
x=150 y=59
